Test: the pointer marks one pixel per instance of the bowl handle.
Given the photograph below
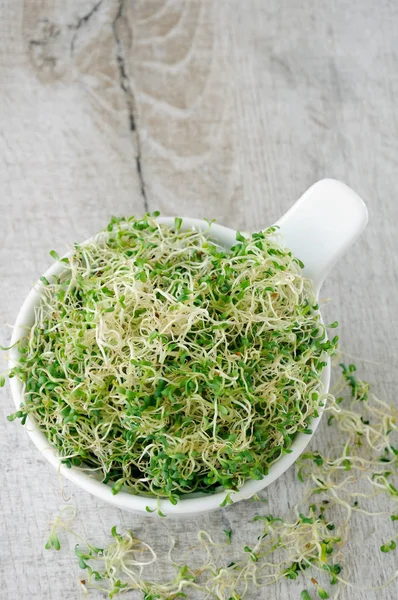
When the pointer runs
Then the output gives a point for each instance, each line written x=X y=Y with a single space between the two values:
x=321 y=225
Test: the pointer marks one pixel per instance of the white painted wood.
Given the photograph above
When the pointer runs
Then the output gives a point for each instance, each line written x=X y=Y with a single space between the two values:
x=214 y=108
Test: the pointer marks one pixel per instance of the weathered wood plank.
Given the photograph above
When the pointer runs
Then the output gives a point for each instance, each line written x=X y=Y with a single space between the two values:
x=222 y=109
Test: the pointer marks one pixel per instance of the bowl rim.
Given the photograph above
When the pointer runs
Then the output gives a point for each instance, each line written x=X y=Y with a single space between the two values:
x=192 y=504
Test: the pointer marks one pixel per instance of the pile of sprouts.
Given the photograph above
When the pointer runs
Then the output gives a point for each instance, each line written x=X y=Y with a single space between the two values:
x=307 y=544
x=166 y=364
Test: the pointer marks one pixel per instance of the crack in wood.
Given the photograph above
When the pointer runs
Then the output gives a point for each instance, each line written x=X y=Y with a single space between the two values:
x=45 y=53
x=82 y=21
x=125 y=86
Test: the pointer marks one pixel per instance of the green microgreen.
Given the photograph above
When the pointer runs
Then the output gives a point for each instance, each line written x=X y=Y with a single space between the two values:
x=228 y=534
x=171 y=365
x=388 y=547
x=309 y=539
x=62 y=521
x=227 y=500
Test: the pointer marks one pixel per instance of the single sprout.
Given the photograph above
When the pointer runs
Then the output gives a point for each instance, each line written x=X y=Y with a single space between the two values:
x=227 y=500
x=62 y=521
x=166 y=365
x=228 y=533
x=256 y=498
x=388 y=547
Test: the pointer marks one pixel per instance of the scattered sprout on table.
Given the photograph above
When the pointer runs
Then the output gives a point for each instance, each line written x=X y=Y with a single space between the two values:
x=307 y=544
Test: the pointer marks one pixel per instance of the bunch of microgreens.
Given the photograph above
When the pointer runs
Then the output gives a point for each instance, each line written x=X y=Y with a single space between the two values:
x=307 y=544
x=167 y=365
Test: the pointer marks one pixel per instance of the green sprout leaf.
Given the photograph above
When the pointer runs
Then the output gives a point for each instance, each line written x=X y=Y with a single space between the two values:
x=54 y=255
x=177 y=224
x=228 y=533
x=227 y=500
x=388 y=547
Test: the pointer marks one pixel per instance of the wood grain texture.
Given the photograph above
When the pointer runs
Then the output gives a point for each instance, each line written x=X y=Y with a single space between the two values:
x=216 y=108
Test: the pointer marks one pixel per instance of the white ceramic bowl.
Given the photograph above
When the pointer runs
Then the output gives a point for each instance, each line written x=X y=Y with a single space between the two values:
x=309 y=225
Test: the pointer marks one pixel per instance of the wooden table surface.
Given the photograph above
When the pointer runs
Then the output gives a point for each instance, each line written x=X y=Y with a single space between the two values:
x=223 y=109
